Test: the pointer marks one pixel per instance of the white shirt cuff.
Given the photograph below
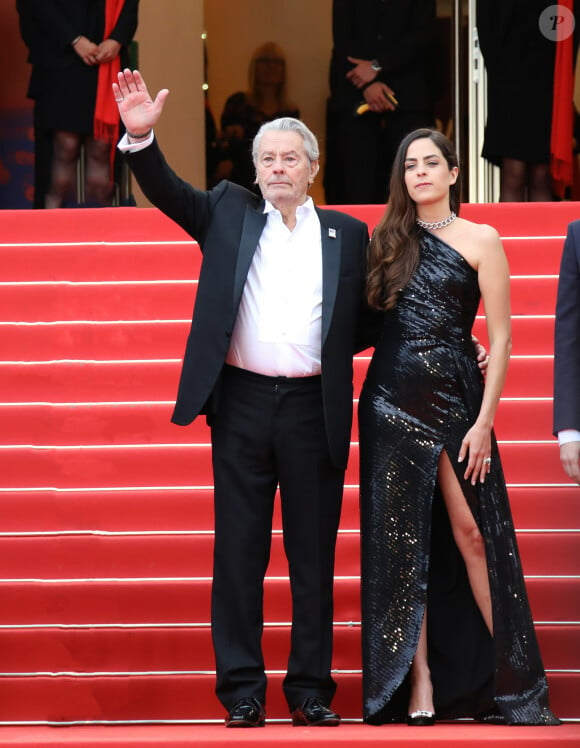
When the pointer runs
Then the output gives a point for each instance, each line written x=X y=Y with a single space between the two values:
x=126 y=147
x=568 y=435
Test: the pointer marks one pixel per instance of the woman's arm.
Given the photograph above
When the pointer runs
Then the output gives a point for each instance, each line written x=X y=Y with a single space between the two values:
x=494 y=282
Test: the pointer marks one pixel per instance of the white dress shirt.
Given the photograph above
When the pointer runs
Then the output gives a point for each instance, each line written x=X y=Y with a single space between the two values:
x=278 y=327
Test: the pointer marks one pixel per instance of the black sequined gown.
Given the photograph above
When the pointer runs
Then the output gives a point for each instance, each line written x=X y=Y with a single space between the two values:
x=422 y=392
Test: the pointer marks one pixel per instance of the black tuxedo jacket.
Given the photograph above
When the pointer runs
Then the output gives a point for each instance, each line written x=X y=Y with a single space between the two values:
x=567 y=336
x=227 y=223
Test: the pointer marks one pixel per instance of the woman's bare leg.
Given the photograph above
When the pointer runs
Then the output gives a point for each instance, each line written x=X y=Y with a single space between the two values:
x=467 y=537
x=470 y=543
x=421 y=687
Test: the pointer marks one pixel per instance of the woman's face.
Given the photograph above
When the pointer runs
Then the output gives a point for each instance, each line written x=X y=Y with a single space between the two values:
x=427 y=173
x=270 y=68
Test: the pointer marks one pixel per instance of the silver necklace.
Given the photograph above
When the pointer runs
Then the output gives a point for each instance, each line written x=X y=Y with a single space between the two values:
x=433 y=225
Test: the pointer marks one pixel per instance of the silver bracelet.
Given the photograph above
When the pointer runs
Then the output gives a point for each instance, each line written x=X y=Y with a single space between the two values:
x=139 y=137
x=76 y=40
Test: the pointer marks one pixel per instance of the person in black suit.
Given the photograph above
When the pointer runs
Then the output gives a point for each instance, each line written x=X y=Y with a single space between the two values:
x=380 y=50
x=72 y=43
x=519 y=61
x=269 y=361
x=567 y=356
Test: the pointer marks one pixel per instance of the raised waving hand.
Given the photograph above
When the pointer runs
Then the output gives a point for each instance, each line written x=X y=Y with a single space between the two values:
x=138 y=110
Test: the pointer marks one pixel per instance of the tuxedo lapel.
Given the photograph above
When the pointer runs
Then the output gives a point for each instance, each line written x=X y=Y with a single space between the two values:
x=331 y=252
x=254 y=221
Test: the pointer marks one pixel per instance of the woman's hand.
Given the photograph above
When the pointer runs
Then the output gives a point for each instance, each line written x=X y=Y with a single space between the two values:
x=481 y=354
x=138 y=111
x=477 y=444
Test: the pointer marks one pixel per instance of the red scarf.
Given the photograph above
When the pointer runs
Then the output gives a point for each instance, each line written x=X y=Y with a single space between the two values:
x=563 y=111
x=106 y=121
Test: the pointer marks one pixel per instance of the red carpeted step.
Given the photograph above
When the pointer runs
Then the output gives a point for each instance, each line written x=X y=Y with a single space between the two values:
x=91 y=341
x=129 y=364
x=535 y=255
x=533 y=295
x=169 y=300
x=180 y=464
x=528 y=376
x=192 y=508
x=82 y=381
x=173 y=300
x=283 y=735
x=149 y=423
x=180 y=259
x=531 y=336
x=115 y=260
x=184 y=648
x=154 y=341
x=181 y=554
x=162 y=600
x=176 y=697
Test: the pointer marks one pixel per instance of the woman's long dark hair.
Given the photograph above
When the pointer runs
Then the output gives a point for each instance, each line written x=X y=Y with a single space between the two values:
x=394 y=249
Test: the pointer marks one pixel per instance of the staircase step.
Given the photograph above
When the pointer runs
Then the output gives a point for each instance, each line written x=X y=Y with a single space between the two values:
x=154 y=340
x=169 y=600
x=156 y=258
x=531 y=335
x=174 y=509
x=187 y=555
x=456 y=735
x=99 y=301
x=150 y=696
x=49 y=424
x=533 y=295
x=189 y=648
x=173 y=255
x=47 y=343
x=173 y=299
x=90 y=379
x=182 y=464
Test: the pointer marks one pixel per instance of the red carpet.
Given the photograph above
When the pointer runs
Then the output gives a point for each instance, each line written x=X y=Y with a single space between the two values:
x=105 y=559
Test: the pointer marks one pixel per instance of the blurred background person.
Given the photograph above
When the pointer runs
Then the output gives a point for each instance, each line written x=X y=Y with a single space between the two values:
x=75 y=49
x=245 y=111
x=380 y=51
x=519 y=60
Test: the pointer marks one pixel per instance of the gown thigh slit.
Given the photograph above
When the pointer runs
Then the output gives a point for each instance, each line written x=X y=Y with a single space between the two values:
x=422 y=393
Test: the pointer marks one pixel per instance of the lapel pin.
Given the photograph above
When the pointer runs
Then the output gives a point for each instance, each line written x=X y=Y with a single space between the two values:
x=332 y=233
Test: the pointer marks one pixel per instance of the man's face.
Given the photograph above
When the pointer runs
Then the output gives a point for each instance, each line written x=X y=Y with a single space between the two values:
x=283 y=171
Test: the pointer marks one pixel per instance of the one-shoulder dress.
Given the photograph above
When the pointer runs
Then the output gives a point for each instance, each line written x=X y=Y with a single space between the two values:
x=422 y=393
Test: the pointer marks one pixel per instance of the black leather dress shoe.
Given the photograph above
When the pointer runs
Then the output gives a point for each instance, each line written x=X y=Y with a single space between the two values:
x=313 y=712
x=248 y=712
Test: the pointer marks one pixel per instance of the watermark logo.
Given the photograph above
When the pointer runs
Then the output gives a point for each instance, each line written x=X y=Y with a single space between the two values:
x=557 y=22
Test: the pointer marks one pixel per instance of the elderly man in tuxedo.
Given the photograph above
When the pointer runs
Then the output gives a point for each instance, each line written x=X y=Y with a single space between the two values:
x=567 y=356
x=269 y=361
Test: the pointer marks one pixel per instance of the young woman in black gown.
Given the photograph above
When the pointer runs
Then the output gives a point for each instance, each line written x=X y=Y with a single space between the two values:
x=446 y=624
